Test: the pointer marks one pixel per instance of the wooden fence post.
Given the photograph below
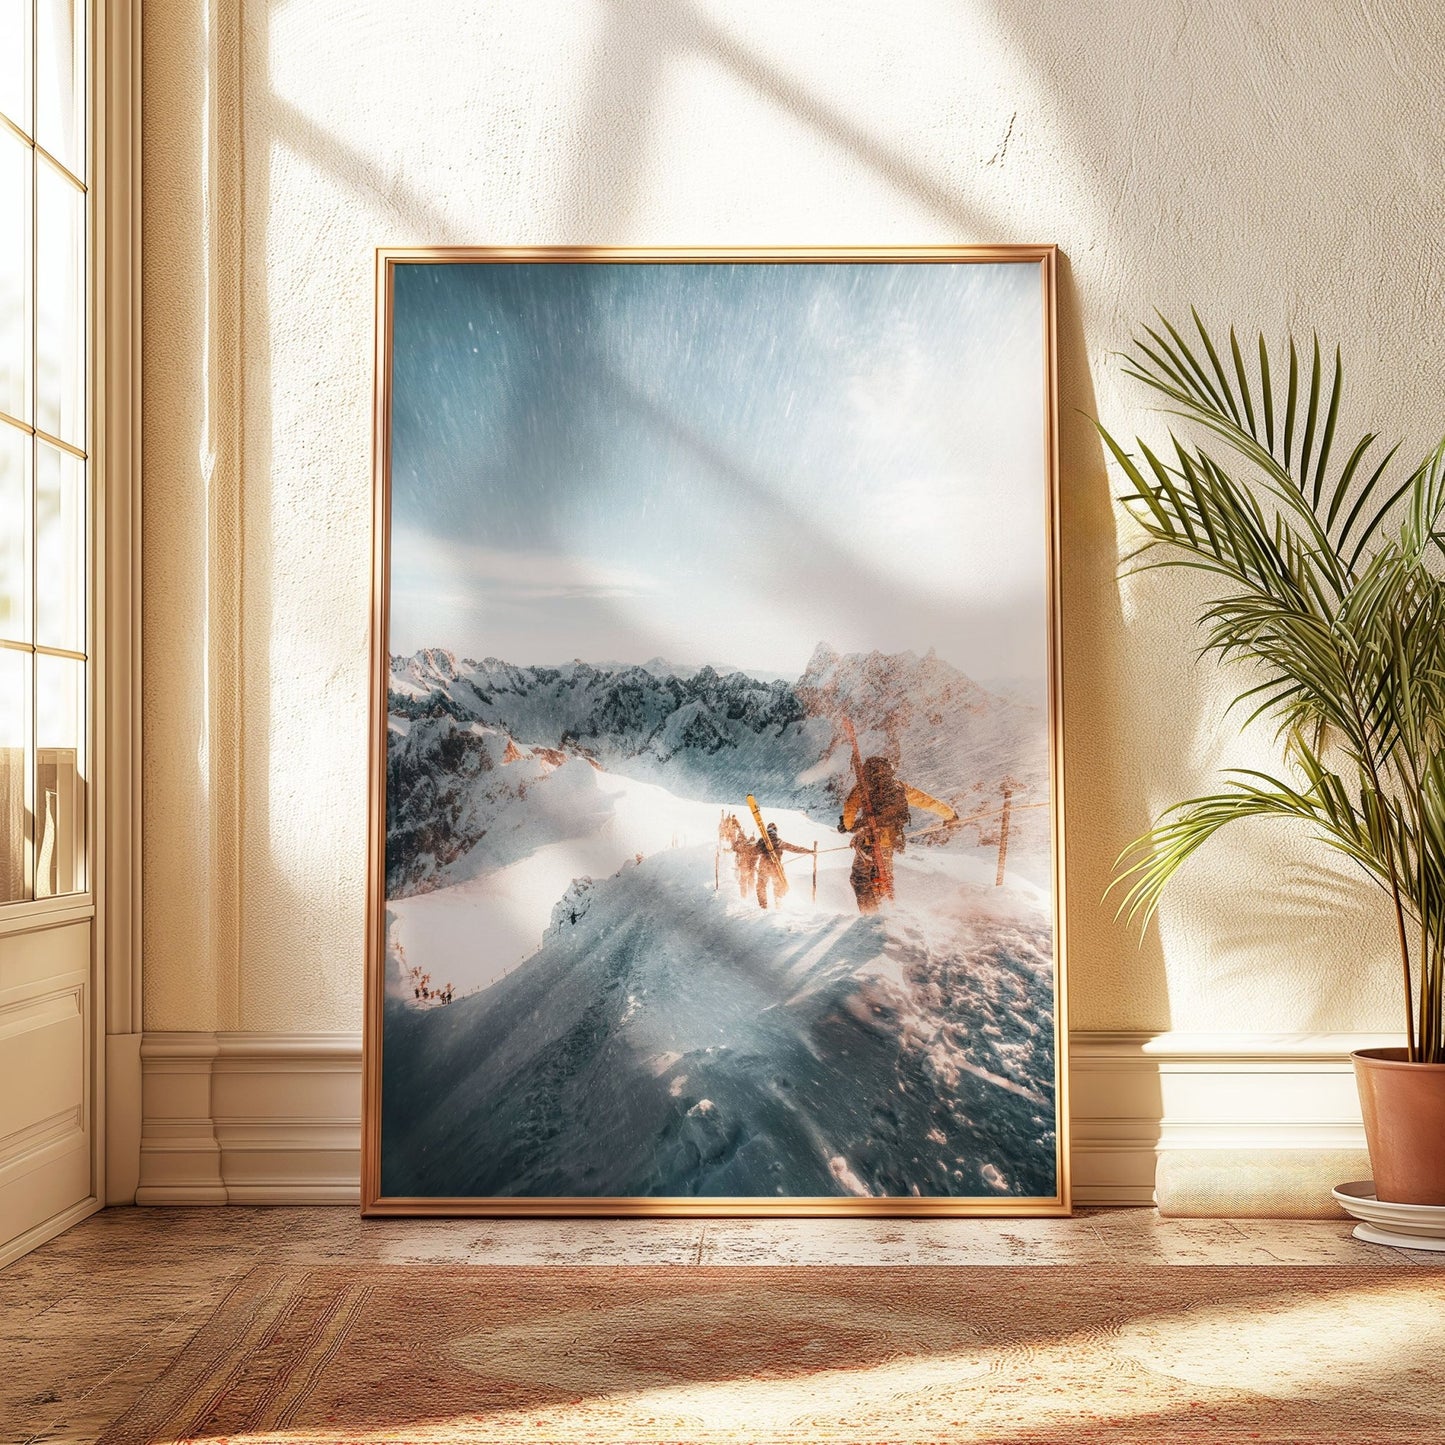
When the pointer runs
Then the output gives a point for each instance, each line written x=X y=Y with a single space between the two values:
x=1003 y=837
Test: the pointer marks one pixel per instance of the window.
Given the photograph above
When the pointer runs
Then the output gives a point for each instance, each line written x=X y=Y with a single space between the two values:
x=45 y=222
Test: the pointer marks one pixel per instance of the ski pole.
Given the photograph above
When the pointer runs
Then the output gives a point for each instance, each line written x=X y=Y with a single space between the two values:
x=1003 y=837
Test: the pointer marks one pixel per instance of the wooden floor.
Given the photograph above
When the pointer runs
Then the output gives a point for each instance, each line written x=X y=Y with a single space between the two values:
x=87 y=1321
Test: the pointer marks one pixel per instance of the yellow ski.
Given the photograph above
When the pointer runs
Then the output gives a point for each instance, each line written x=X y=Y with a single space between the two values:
x=767 y=842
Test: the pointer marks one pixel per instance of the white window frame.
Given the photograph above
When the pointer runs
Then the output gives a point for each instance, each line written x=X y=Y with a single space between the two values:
x=115 y=80
x=111 y=901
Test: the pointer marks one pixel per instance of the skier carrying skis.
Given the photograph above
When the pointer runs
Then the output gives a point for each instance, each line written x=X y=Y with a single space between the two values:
x=769 y=852
x=744 y=849
x=880 y=803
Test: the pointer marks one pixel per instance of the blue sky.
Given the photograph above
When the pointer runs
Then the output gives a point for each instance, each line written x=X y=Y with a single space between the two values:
x=722 y=463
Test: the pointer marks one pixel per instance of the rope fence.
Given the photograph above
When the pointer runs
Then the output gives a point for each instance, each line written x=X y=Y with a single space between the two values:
x=953 y=823
x=1004 y=810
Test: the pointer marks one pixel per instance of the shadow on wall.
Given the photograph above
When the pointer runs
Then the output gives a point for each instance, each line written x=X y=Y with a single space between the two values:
x=639 y=44
x=633 y=51
x=1122 y=660
x=1115 y=978
x=1249 y=242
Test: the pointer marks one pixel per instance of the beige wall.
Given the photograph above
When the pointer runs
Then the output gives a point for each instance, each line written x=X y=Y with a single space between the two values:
x=1276 y=163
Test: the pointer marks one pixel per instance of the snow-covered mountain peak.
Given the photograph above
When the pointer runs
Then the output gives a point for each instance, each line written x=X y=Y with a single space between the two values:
x=716 y=737
x=424 y=672
x=883 y=691
x=823 y=659
x=895 y=674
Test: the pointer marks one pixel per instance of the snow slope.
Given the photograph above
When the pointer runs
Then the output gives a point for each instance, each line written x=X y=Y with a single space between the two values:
x=581 y=823
x=666 y=1039
x=626 y=1021
x=715 y=736
x=550 y=824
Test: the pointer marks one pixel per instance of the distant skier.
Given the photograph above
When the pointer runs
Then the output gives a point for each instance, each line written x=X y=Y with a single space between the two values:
x=880 y=802
x=744 y=848
x=769 y=855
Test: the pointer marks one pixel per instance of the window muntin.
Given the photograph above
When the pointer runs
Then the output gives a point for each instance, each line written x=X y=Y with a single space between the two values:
x=17 y=179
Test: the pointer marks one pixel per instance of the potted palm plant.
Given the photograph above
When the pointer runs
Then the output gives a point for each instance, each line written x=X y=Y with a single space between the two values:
x=1327 y=565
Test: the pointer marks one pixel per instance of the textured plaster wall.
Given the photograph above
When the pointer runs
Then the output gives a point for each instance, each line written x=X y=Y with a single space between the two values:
x=1277 y=163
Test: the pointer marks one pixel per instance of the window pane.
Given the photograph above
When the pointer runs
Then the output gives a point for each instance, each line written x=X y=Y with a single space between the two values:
x=59 y=776
x=59 y=306
x=15 y=55
x=15 y=170
x=14 y=534
x=14 y=724
x=60 y=82
x=59 y=549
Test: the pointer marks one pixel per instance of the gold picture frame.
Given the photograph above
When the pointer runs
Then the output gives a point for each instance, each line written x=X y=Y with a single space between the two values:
x=377 y=1202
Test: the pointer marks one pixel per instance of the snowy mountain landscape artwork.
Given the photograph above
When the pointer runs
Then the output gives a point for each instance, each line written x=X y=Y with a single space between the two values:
x=716 y=775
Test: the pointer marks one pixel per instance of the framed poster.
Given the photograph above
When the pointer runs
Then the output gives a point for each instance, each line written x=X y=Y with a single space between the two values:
x=715 y=791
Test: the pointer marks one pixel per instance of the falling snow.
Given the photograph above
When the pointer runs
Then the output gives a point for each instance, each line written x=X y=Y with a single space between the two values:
x=628 y=501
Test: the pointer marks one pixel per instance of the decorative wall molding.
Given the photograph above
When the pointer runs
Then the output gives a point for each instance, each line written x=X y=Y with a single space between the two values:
x=250 y=1118
x=1228 y=1123
x=1216 y=1123
x=118 y=690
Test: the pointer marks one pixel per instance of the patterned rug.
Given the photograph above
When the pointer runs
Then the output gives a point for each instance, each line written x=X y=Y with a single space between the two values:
x=403 y=1354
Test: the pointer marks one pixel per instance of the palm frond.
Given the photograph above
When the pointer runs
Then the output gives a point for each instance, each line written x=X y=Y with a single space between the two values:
x=1232 y=405
x=1144 y=868
x=1329 y=592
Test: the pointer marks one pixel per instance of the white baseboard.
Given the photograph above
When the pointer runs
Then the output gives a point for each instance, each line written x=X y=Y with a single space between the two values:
x=1212 y=1123
x=1215 y=1123
x=47 y=1230
x=250 y=1118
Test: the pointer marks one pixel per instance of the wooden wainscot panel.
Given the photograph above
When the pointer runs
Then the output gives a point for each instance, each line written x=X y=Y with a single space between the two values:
x=45 y=1073
x=35 y=960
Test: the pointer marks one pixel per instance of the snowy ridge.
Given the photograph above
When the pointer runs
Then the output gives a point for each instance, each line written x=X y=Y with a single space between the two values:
x=620 y=1017
x=450 y=785
x=526 y=831
x=716 y=737
x=667 y=1039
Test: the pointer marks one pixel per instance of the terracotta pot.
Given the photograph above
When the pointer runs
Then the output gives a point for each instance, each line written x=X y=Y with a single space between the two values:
x=1404 y=1109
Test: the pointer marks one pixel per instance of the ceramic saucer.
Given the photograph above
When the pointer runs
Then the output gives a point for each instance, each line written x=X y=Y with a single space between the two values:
x=1404 y=1226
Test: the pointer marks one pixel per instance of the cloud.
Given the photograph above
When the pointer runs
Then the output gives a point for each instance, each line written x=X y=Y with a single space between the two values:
x=452 y=574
